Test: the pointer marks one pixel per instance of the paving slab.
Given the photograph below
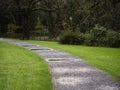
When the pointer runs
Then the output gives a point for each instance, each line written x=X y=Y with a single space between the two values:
x=70 y=72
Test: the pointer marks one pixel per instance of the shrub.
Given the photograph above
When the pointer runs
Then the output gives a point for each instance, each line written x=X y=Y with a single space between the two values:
x=96 y=36
x=88 y=39
x=12 y=27
x=98 y=33
x=112 y=39
x=100 y=36
x=71 y=38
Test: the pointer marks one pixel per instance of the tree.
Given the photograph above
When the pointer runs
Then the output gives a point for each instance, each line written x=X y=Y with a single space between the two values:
x=59 y=15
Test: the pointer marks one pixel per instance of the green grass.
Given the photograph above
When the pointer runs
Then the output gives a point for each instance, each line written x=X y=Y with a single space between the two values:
x=21 y=69
x=106 y=59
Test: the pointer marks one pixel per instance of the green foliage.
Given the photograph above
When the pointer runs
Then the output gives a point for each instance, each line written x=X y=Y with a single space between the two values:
x=100 y=36
x=59 y=15
x=112 y=39
x=71 y=38
x=12 y=27
x=96 y=36
x=98 y=31
x=39 y=25
x=88 y=39
x=39 y=30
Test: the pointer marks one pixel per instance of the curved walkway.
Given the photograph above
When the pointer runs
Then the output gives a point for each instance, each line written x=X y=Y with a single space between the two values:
x=70 y=72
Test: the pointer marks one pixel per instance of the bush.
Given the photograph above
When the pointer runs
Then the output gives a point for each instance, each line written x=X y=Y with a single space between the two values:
x=96 y=36
x=100 y=36
x=12 y=27
x=113 y=39
x=71 y=38
x=88 y=39
x=98 y=33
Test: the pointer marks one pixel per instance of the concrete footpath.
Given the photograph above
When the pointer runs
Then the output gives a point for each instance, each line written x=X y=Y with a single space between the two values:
x=70 y=72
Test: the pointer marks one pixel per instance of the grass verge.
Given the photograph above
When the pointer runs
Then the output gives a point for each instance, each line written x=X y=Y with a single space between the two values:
x=21 y=69
x=106 y=59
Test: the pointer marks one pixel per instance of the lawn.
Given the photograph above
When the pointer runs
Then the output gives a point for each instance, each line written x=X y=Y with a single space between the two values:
x=21 y=69
x=106 y=59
